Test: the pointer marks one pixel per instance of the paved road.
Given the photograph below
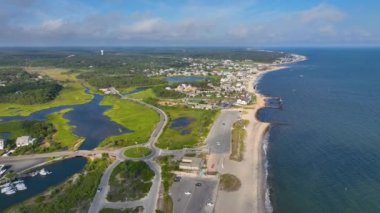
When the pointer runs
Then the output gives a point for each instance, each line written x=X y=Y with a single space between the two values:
x=84 y=153
x=100 y=196
x=200 y=195
x=150 y=201
x=219 y=138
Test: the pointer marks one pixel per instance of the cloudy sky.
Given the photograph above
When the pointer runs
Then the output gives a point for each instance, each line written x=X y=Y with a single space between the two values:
x=189 y=22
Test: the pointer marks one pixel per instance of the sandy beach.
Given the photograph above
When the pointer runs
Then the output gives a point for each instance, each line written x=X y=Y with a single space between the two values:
x=251 y=172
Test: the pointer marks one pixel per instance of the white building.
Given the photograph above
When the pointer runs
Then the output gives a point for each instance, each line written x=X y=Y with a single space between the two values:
x=24 y=141
x=241 y=102
x=2 y=144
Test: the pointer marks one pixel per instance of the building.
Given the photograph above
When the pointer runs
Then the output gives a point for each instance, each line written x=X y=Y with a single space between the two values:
x=109 y=91
x=24 y=141
x=185 y=88
x=2 y=144
x=191 y=164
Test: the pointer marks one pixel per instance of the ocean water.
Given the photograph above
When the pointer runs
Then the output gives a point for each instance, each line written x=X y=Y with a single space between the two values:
x=324 y=145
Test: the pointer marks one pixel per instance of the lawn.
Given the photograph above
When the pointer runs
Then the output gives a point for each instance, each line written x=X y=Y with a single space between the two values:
x=136 y=117
x=191 y=135
x=137 y=152
x=130 y=180
x=64 y=134
x=73 y=92
x=148 y=93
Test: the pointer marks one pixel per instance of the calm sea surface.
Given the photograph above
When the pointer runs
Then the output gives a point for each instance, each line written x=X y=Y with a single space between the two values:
x=324 y=149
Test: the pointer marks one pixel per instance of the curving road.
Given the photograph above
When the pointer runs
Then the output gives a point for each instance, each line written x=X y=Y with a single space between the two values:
x=150 y=201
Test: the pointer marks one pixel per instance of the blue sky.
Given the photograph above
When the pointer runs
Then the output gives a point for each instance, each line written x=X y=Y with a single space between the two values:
x=189 y=22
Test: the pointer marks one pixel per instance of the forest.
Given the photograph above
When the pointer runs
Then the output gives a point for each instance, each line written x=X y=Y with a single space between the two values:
x=20 y=87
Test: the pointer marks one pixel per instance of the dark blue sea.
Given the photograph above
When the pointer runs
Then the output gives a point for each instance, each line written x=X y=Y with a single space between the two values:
x=324 y=144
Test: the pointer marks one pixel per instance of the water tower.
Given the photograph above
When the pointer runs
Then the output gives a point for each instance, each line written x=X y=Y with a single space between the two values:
x=101 y=52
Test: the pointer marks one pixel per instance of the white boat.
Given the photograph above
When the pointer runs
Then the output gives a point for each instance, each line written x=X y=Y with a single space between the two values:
x=18 y=181
x=34 y=173
x=43 y=172
x=10 y=192
x=20 y=186
x=5 y=189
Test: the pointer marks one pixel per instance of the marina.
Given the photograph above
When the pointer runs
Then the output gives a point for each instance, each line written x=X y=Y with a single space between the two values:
x=10 y=188
x=36 y=182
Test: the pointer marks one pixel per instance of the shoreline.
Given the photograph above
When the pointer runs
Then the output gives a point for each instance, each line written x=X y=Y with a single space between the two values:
x=264 y=203
x=253 y=195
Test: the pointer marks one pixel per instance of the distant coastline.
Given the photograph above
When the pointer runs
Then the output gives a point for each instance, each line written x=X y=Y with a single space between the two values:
x=262 y=129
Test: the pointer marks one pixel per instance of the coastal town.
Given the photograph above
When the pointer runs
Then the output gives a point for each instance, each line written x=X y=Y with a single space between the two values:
x=120 y=106
x=224 y=85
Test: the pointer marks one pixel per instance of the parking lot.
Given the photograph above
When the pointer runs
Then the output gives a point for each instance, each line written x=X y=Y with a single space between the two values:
x=189 y=198
x=219 y=138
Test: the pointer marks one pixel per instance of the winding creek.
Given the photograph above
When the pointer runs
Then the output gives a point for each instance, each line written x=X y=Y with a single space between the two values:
x=89 y=122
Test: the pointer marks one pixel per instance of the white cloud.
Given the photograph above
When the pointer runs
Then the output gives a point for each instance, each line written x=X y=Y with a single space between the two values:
x=146 y=26
x=191 y=25
x=322 y=12
x=52 y=25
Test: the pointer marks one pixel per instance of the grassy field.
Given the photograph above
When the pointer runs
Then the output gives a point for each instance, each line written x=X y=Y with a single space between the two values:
x=126 y=89
x=63 y=137
x=148 y=93
x=173 y=138
x=137 y=152
x=64 y=134
x=141 y=120
x=130 y=180
x=72 y=93
x=15 y=128
x=238 y=137
x=75 y=195
x=229 y=183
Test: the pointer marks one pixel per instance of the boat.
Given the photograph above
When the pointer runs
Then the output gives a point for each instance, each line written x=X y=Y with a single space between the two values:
x=10 y=192
x=18 y=181
x=43 y=172
x=34 y=173
x=5 y=189
x=20 y=186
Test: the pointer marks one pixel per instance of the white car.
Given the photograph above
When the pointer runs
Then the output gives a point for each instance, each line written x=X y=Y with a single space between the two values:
x=210 y=204
x=218 y=143
x=187 y=193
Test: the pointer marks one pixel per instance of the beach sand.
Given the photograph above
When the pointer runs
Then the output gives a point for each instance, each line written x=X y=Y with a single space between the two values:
x=251 y=172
